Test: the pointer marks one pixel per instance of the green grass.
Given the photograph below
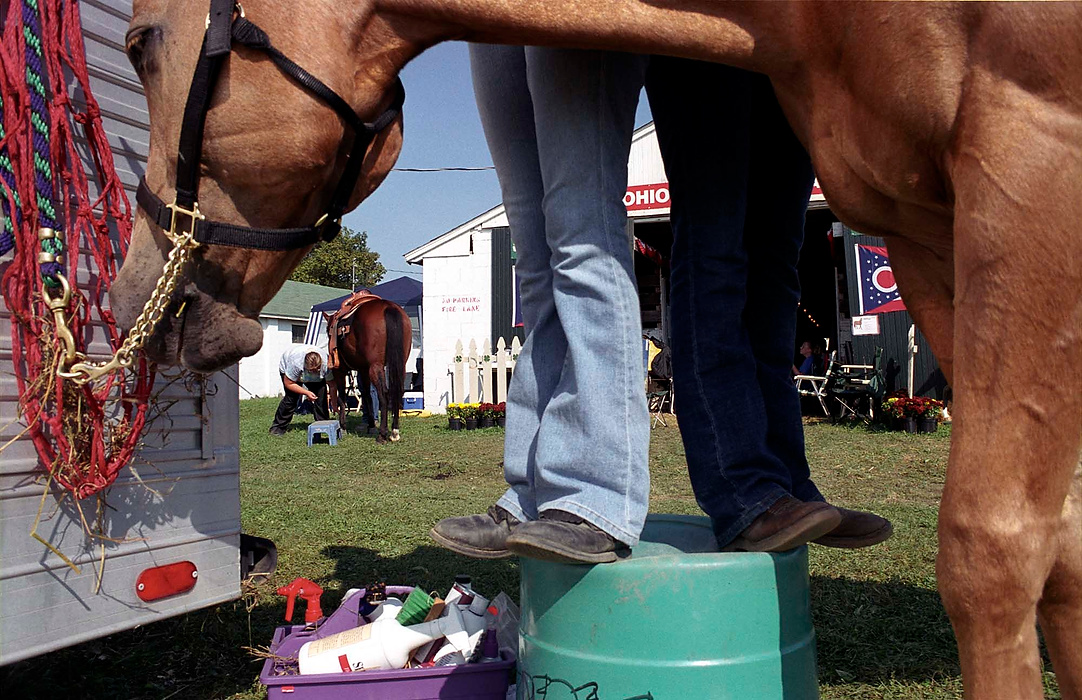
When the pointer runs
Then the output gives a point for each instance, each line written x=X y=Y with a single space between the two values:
x=359 y=512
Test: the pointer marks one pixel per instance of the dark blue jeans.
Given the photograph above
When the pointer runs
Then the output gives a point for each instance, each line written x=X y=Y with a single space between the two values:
x=740 y=182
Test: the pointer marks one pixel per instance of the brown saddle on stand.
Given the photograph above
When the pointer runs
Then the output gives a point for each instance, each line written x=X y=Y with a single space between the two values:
x=340 y=322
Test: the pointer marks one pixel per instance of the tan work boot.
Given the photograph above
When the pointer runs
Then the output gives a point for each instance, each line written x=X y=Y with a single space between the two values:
x=857 y=529
x=787 y=524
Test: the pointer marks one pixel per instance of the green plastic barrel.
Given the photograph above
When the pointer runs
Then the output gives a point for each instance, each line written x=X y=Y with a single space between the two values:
x=677 y=620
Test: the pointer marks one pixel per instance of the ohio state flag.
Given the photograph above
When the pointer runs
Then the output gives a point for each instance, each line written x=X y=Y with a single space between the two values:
x=878 y=290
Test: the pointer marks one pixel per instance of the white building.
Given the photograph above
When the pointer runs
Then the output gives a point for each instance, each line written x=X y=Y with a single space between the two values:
x=458 y=295
x=284 y=320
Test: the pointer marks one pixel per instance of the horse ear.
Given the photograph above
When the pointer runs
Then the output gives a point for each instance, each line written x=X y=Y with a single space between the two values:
x=326 y=316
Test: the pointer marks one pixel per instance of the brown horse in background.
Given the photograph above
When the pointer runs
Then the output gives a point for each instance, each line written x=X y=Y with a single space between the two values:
x=376 y=345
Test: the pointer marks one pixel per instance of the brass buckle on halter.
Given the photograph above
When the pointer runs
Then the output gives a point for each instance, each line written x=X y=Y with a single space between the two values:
x=193 y=215
x=326 y=219
x=237 y=11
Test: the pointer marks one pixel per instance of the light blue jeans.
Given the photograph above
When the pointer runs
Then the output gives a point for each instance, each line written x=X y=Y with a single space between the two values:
x=558 y=123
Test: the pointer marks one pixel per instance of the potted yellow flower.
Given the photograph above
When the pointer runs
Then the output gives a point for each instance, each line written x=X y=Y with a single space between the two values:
x=470 y=414
x=454 y=416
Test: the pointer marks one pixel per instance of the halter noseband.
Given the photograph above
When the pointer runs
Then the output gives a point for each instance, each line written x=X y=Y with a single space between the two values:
x=225 y=24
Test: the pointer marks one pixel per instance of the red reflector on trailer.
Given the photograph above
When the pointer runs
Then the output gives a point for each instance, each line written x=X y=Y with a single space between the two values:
x=164 y=581
x=287 y=689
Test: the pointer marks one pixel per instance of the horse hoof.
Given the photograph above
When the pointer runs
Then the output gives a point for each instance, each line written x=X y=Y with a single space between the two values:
x=380 y=440
x=395 y=436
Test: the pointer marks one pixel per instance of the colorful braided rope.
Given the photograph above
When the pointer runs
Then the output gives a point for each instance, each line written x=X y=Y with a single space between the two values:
x=39 y=119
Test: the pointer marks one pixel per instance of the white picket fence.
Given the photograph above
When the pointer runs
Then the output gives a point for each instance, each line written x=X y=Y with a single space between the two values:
x=482 y=376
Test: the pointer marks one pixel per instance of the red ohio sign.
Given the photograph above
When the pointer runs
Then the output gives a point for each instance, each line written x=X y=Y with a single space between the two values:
x=656 y=196
x=639 y=197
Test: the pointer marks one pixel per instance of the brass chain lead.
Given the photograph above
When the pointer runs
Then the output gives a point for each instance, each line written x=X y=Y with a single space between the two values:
x=153 y=311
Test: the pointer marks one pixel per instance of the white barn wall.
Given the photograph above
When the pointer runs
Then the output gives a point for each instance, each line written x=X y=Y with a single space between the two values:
x=458 y=305
x=644 y=164
x=259 y=373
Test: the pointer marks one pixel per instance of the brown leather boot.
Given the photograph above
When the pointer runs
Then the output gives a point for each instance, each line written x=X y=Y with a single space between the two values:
x=482 y=536
x=566 y=538
x=857 y=529
x=787 y=524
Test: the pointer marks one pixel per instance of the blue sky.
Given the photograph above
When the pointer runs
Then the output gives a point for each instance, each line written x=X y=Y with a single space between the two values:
x=442 y=129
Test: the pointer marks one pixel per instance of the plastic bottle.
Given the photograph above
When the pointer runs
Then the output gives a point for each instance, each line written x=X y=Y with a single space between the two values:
x=490 y=647
x=461 y=592
x=387 y=610
x=386 y=645
x=473 y=619
x=472 y=606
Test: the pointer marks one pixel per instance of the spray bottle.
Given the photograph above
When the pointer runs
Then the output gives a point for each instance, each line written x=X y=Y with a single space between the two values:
x=386 y=645
x=309 y=592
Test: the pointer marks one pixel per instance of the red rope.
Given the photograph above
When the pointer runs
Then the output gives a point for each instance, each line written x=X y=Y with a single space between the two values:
x=83 y=466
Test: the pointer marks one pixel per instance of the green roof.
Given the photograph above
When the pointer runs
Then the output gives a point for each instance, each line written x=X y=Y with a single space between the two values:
x=296 y=299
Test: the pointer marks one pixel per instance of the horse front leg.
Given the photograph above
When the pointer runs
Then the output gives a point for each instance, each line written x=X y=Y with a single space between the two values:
x=366 y=400
x=380 y=382
x=343 y=404
x=1060 y=608
x=334 y=400
x=1018 y=404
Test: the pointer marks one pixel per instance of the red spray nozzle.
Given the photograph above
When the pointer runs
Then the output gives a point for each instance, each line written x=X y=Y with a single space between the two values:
x=309 y=591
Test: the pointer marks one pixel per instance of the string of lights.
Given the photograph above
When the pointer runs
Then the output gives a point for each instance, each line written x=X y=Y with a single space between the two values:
x=810 y=317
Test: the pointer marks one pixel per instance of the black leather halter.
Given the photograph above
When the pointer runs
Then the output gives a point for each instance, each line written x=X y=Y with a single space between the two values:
x=225 y=24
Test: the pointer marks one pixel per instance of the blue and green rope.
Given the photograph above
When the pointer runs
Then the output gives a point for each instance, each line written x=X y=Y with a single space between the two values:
x=39 y=120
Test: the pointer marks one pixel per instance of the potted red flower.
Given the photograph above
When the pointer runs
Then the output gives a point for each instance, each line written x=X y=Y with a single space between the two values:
x=928 y=414
x=501 y=414
x=486 y=413
x=894 y=409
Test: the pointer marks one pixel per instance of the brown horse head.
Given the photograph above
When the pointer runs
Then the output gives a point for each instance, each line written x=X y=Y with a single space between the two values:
x=272 y=154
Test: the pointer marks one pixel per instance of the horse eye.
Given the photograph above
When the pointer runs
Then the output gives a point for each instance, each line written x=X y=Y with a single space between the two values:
x=139 y=44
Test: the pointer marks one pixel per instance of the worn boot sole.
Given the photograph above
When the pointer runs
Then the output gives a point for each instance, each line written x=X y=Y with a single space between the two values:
x=811 y=526
x=872 y=538
x=555 y=552
x=466 y=550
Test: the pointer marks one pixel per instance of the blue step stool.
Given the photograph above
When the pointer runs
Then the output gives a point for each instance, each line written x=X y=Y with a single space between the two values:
x=330 y=428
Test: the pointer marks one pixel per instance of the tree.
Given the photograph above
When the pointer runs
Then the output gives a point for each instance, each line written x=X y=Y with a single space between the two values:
x=340 y=262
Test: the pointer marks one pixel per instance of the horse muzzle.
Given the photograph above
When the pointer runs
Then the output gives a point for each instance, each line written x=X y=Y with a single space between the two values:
x=197 y=331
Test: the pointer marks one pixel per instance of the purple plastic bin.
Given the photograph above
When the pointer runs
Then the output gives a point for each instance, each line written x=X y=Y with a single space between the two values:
x=480 y=681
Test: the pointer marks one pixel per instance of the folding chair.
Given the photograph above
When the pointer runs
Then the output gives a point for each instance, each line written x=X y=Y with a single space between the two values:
x=659 y=401
x=658 y=391
x=857 y=383
x=812 y=385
